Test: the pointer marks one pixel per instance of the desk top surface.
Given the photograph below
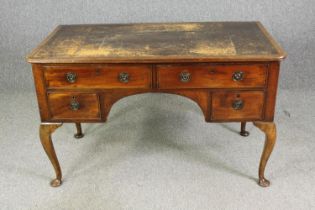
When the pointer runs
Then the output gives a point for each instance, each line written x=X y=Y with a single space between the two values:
x=158 y=42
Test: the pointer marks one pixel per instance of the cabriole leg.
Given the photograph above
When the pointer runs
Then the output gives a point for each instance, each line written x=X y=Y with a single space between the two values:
x=269 y=128
x=45 y=131
x=243 y=131
x=79 y=133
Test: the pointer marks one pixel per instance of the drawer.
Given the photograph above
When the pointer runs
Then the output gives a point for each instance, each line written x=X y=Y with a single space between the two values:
x=237 y=105
x=74 y=106
x=211 y=76
x=107 y=76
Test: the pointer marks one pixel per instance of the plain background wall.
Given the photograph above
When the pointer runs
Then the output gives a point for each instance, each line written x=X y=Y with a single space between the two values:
x=24 y=23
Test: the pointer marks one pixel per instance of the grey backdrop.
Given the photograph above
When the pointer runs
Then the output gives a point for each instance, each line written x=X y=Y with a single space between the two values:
x=25 y=23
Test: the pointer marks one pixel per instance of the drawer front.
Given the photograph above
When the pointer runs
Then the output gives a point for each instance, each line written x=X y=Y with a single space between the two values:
x=211 y=76
x=237 y=105
x=74 y=106
x=108 y=77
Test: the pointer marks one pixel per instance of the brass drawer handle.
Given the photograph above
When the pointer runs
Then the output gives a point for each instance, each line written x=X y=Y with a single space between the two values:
x=238 y=104
x=238 y=76
x=184 y=77
x=123 y=77
x=71 y=77
x=74 y=104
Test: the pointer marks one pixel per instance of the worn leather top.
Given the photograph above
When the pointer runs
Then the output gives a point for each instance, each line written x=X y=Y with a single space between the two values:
x=158 y=42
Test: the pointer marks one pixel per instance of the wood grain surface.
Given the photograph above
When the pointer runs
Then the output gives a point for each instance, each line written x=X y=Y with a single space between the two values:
x=211 y=76
x=101 y=76
x=222 y=105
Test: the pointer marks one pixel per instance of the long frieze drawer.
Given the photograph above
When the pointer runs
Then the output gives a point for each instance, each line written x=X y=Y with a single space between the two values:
x=107 y=76
x=237 y=105
x=74 y=106
x=211 y=76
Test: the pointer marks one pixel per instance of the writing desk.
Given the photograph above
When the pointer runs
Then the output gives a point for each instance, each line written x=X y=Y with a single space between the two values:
x=230 y=69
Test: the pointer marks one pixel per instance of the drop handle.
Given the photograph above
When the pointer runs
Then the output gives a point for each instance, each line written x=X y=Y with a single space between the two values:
x=123 y=77
x=238 y=76
x=74 y=104
x=238 y=104
x=184 y=76
x=71 y=77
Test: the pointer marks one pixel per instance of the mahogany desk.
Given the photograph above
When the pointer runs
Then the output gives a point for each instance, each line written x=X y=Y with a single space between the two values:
x=230 y=69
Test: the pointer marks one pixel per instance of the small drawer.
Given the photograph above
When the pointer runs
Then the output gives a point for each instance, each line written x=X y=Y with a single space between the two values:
x=237 y=105
x=211 y=76
x=105 y=76
x=74 y=106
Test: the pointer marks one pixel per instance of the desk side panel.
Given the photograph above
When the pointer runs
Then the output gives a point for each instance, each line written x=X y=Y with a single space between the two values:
x=40 y=92
x=271 y=91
